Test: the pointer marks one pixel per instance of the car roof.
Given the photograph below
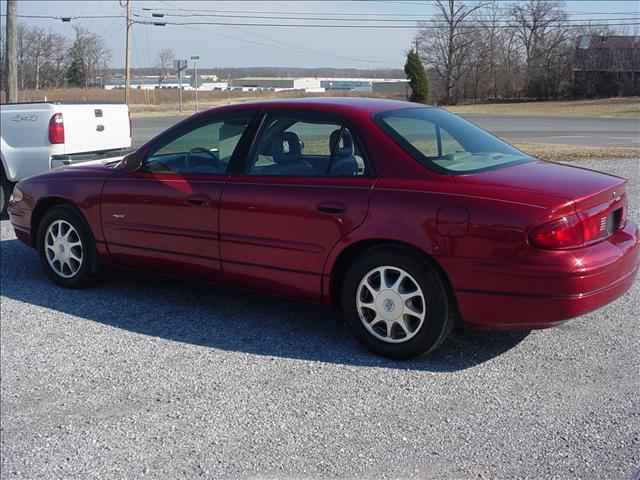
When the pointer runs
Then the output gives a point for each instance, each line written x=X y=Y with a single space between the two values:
x=327 y=104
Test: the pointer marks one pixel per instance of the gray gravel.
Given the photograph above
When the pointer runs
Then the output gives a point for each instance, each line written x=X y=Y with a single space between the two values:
x=158 y=378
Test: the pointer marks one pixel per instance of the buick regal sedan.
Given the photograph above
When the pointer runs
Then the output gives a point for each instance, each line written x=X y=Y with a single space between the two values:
x=406 y=217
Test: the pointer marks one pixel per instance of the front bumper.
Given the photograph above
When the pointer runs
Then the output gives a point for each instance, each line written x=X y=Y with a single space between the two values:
x=560 y=284
x=20 y=218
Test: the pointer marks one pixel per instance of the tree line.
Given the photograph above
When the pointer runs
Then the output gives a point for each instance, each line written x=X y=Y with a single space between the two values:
x=51 y=60
x=496 y=50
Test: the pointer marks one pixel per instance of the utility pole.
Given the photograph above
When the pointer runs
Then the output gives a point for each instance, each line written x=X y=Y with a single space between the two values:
x=127 y=61
x=12 y=52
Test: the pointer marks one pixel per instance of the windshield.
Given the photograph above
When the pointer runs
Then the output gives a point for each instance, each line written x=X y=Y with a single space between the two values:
x=446 y=143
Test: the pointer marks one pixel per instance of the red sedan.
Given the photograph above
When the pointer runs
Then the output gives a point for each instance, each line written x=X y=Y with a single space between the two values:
x=406 y=217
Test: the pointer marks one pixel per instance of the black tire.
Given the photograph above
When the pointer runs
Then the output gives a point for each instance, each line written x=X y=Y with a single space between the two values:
x=6 y=187
x=89 y=266
x=438 y=307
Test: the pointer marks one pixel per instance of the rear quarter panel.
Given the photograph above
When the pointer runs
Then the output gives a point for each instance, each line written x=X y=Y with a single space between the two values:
x=494 y=235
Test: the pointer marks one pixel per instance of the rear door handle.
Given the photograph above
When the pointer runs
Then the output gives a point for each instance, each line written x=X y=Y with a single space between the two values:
x=199 y=201
x=331 y=207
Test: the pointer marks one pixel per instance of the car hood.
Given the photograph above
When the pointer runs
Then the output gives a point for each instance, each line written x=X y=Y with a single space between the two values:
x=539 y=180
x=94 y=165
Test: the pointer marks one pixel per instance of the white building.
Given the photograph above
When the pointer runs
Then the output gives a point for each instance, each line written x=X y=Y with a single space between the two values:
x=277 y=84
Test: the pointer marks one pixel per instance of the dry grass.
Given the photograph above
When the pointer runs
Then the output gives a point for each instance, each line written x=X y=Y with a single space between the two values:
x=570 y=152
x=628 y=107
x=165 y=101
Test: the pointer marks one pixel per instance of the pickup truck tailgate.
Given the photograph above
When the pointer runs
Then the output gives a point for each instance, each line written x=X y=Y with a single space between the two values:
x=92 y=128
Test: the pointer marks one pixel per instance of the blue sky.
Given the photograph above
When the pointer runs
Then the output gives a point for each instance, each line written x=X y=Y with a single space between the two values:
x=228 y=46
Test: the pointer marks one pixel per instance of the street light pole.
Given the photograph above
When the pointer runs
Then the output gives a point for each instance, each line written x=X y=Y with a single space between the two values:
x=195 y=75
x=195 y=59
x=180 y=90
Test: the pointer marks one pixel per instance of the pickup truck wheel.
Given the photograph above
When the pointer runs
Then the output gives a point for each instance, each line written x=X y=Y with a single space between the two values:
x=5 y=191
x=396 y=303
x=67 y=249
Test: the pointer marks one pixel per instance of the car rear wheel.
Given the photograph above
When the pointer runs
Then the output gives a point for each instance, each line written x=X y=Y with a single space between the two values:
x=396 y=303
x=67 y=249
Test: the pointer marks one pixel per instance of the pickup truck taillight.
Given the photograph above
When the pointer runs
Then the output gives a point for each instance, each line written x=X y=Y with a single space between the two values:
x=56 y=129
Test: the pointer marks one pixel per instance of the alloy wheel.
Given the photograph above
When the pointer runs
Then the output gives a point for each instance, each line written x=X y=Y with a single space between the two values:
x=391 y=304
x=63 y=248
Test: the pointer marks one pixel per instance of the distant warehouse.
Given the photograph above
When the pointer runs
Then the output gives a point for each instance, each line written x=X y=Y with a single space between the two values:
x=277 y=84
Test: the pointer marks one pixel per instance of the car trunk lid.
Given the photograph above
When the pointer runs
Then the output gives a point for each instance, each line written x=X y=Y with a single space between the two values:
x=596 y=201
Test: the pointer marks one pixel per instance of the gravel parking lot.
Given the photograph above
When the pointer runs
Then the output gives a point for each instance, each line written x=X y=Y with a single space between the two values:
x=141 y=376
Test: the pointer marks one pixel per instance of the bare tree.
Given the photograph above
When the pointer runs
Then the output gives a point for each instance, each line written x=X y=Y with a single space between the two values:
x=89 y=58
x=534 y=20
x=165 y=63
x=446 y=49
x=37 y=39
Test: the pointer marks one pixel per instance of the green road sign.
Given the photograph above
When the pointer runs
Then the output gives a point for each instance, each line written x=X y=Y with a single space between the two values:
x=195 y=57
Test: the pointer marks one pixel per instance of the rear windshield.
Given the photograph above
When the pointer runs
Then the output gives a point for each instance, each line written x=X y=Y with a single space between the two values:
x=446 y=143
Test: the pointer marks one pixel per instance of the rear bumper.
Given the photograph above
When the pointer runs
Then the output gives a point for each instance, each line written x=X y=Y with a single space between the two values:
x=559 y=286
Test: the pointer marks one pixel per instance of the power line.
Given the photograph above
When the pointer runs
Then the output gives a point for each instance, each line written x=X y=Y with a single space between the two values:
x=380 y=20
x=289 y=48
x=286 y=46
x=342 y=14
x=380 y=26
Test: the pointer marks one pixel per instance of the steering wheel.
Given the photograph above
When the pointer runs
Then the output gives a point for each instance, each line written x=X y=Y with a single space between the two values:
x=187 y=158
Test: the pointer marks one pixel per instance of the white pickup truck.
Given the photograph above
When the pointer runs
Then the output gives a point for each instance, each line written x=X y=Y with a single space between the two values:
x=35 y=137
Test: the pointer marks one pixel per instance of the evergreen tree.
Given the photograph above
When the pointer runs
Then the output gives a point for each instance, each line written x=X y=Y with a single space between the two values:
x=417 y=78
x=75 y=72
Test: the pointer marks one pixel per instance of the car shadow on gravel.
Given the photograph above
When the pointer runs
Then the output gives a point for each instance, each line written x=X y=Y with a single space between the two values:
x=227 y=319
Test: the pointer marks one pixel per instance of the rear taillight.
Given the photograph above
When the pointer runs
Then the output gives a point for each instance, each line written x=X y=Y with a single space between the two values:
x=559 y=234
x=56 y=129
x=577 y=230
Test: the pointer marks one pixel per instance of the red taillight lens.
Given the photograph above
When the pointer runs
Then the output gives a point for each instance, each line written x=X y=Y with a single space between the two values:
x=559 y=234
x=577 y=230
x=56 y=129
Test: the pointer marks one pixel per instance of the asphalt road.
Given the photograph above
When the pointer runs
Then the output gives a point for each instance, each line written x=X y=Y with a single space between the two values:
x=141 y=376
x=601 y=132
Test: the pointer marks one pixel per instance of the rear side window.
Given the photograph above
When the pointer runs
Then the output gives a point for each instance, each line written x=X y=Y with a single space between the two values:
x=446 y=143
x=290 y=146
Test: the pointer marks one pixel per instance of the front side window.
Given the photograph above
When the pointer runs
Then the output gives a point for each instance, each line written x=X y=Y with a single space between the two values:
x=446 y=143
x=206 y=149
x=289 y=146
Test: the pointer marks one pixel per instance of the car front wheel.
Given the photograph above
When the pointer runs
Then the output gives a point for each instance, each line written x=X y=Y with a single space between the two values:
x=396 y=303
x=66 y=247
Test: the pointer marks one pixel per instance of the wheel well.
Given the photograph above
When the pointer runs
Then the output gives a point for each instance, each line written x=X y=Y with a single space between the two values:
x=42 y=207
x=349 y=254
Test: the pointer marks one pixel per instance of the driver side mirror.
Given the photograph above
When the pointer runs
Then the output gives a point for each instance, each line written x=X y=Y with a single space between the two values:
x=132 y=163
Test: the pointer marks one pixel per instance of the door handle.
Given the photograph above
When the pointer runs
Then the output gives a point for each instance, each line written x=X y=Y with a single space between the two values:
x=197 y=201
x=332 y=208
